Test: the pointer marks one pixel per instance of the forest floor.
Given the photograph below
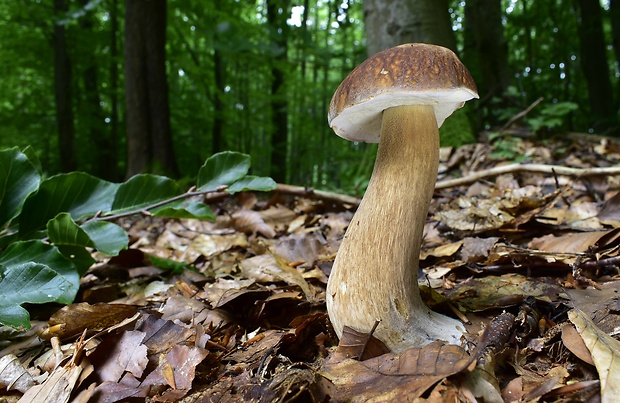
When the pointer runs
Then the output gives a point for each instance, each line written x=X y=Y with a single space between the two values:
x=234 y=310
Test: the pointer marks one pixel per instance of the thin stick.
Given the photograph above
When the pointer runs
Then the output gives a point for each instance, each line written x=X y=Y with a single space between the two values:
x=521 y=114
x=537 y=168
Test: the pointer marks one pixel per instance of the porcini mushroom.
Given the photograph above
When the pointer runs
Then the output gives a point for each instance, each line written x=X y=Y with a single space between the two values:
x=398 y=98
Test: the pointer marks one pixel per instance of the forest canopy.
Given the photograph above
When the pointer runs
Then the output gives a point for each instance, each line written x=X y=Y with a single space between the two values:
x=257 y=77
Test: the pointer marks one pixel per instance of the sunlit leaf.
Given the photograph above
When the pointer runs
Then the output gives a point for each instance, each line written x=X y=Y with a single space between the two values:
x=18 y=178
x=47 y=255
x=223 y=169
x=199 y=211
x=250 y=182
x=76 y=193
x=142 y=191
x=30 y=282
x=107 y=237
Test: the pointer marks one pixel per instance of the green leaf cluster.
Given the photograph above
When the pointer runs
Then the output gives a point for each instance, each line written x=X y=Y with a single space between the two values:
x=49 y=227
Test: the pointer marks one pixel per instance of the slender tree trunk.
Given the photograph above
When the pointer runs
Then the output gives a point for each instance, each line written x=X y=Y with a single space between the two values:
x=62 y=88
x=486 y=51
x=139 y=152
x=149 y=138
x=101 y=146
x=614 y=12
x=594 y=64
x=277 y=14
x=393 y=22
x=218 y=104
x=114 y=89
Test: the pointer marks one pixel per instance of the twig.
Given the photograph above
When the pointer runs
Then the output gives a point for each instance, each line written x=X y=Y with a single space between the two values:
x=319 y=194
x=537 y=168
x=521 y=114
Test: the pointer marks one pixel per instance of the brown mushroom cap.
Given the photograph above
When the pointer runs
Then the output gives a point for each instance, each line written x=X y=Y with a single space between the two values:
x=409 y=74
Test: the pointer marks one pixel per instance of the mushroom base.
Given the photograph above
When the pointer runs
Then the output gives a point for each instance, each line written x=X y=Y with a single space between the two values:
x=374 y=277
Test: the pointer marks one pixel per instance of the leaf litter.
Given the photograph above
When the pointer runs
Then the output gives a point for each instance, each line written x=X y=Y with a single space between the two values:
x=233 y=310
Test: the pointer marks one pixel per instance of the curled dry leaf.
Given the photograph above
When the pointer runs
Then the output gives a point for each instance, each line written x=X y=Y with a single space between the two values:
x=13 y=375
x=394 y=377
x=605 y=352
x=73 y=319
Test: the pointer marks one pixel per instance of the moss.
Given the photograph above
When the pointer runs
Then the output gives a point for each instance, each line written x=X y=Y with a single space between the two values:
x=457 y=130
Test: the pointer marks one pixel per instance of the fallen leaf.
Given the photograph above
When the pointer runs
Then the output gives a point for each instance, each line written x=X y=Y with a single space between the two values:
x=13 y=375
x=394 y=377
x=605 y=352
x=73 y=319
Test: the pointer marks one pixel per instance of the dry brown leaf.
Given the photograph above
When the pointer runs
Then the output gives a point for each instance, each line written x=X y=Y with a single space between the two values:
x=212 y=245
x=576 y=242
x=301 y=249
x=502 y=291
x=252 y=222
x=13 y=375
x=574 y=342
x=605 y=352
x=57 y=387
x=395 y=377
x=177 y=368
x=360 y=346
x=127 y=354
x=476 y=249
x=73 y=319
x=610 y=211
x=445 y=250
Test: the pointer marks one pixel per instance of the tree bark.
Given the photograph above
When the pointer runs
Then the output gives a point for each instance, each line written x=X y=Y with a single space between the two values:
x=62 y=88
x=114 y=88
x=393 y=22
x=101 y=148
x=149 y=137
x=614 y=12
x=486 y=52
x=277 y=14
x=593 y=60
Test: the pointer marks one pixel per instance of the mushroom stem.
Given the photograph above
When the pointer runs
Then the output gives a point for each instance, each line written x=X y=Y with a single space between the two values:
x=374 y=276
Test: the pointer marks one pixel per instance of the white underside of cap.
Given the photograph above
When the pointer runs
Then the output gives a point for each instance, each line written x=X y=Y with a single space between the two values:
x=362 y=122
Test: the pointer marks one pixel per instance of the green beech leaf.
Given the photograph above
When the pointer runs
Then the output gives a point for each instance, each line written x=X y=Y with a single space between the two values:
x=79 y=256
x=142 y=191
x=250 y=182
x=76 y=193
x=30 y=282
x=222 y=169
x=62 y=230
x=18 y=178
x=107 y=237
x=199 y=211
x=36 y=251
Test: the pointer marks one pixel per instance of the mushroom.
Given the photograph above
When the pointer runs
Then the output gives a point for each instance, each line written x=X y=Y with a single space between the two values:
x=398 y=98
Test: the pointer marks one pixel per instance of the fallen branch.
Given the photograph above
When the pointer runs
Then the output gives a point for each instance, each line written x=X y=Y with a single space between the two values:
x=318 y=194
x=536 y=168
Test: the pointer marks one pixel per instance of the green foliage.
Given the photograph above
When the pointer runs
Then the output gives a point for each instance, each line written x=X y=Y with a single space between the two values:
x=456 y=130
x=506 y=147
x=552 y=116
x=50 y=226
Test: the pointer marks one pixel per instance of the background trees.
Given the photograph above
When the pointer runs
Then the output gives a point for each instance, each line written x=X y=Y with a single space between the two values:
x=257 y=77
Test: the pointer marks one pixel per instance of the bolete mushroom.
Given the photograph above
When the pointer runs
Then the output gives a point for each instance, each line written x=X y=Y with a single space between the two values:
x=398 y=98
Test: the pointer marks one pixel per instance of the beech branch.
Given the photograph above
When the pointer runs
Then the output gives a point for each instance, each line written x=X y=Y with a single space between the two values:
x=536 y=168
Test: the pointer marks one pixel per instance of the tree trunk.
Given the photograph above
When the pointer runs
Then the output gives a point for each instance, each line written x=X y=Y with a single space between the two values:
x=114 y=88
x=485 y=52
x=218 y=104
x=62 y=88
x=277 y=14
x=393 y=22
x=149 y=138
x=614 y=12
x=594 y=64
x=100 y=149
